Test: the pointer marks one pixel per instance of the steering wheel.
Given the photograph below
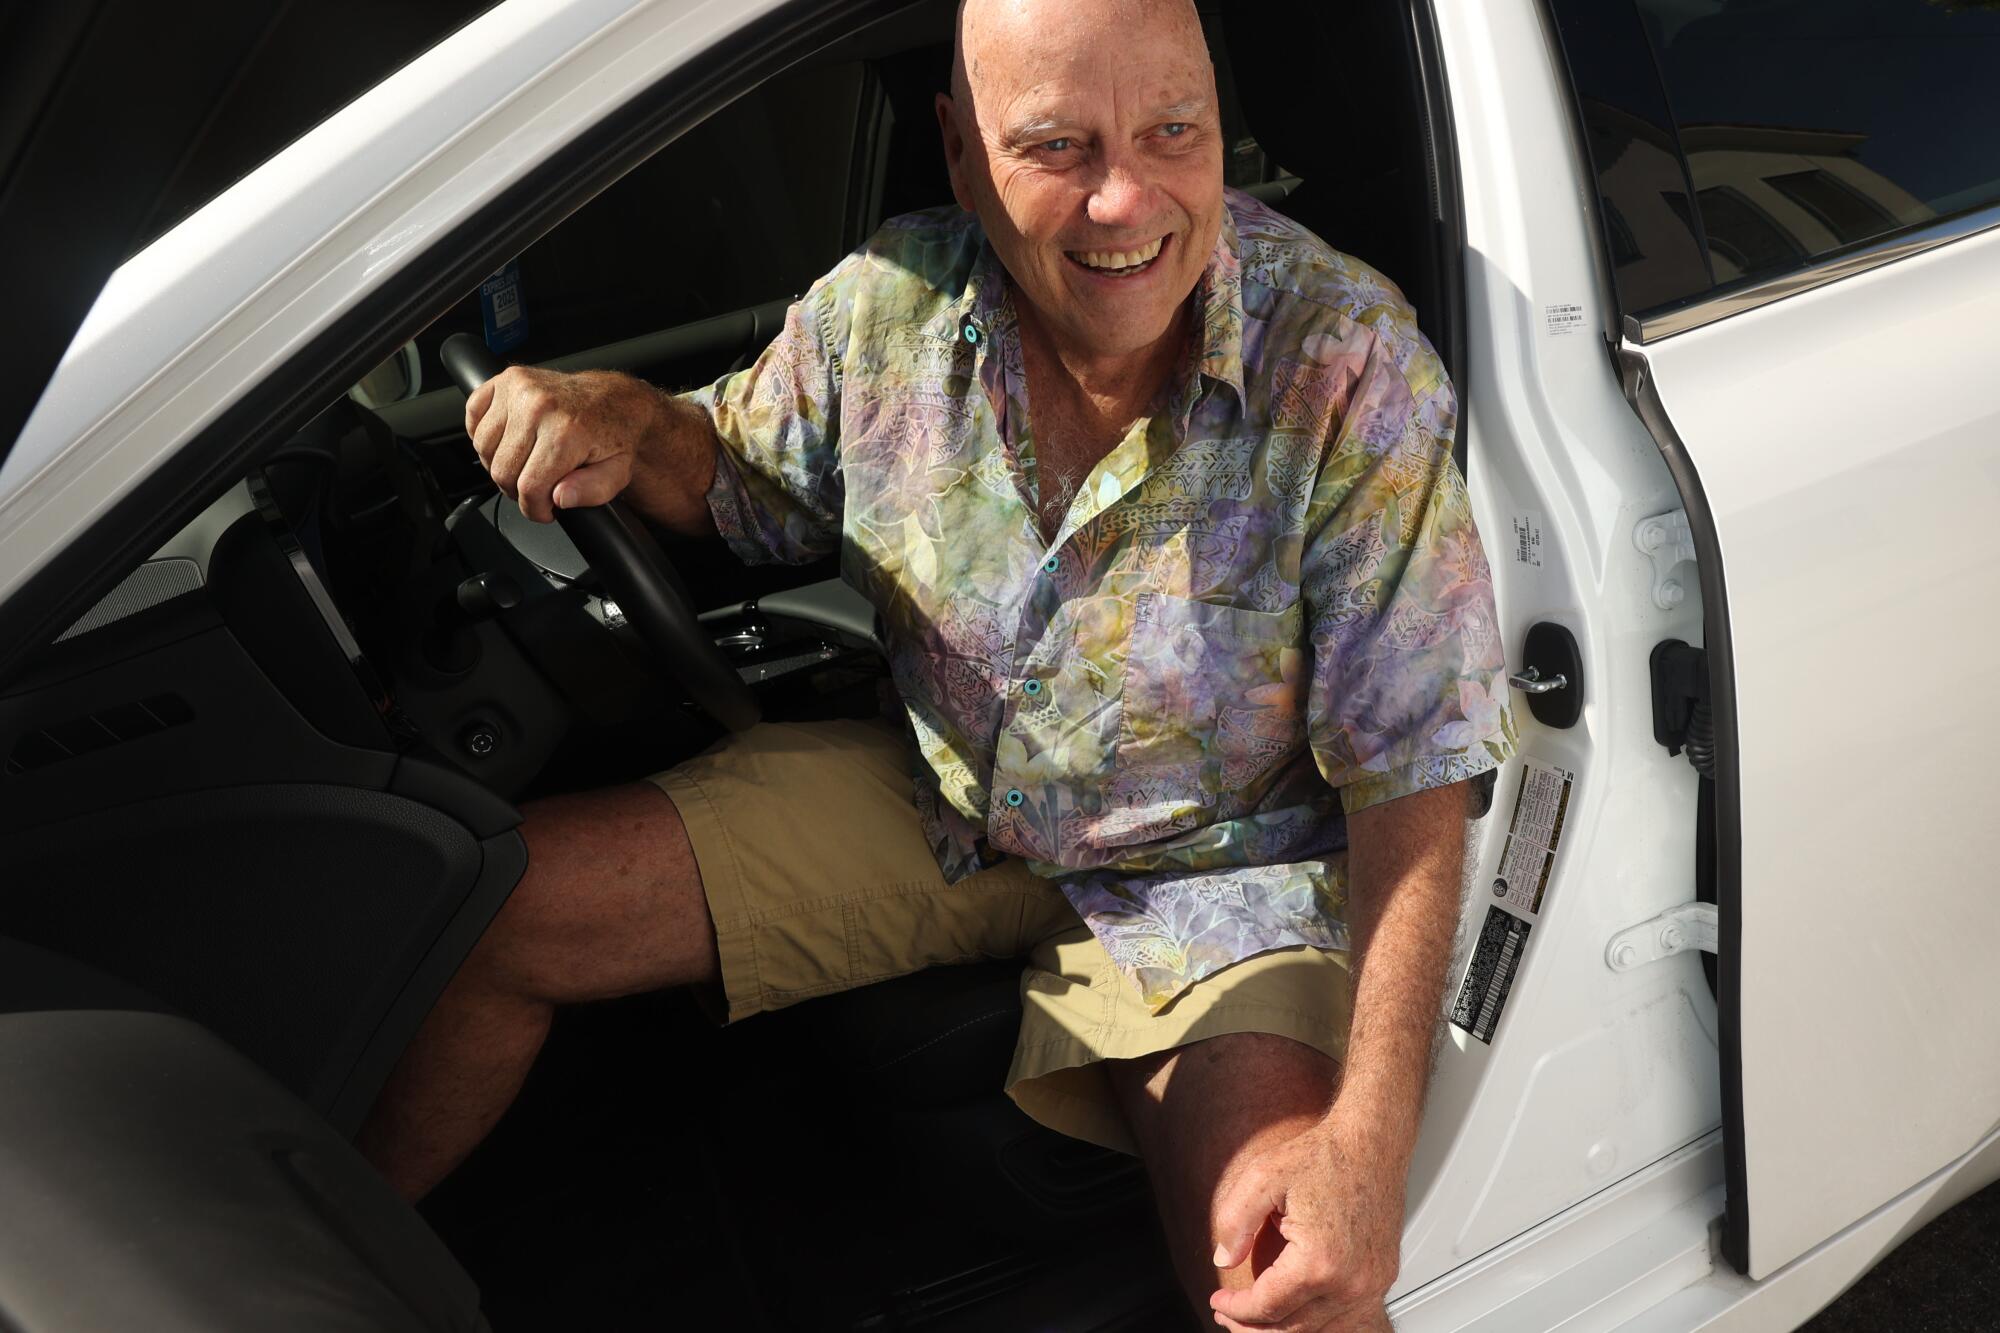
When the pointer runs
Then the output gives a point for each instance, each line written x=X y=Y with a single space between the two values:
x=635 y=573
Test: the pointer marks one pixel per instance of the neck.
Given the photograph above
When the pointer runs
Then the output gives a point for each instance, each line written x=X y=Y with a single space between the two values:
x=1117 y=384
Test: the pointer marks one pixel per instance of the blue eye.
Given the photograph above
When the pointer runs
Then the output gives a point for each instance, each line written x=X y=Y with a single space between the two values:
x=1175 y=129
x=1057 y=145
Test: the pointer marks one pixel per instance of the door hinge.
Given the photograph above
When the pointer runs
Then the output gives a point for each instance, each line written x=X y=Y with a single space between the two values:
x=1676 y=930
x=1668 y=542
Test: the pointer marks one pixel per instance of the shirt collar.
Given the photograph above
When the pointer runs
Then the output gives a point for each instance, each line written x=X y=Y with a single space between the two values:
x=1219 y=307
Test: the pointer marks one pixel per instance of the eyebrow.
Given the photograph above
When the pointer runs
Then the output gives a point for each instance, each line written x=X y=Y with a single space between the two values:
x=1028 y=131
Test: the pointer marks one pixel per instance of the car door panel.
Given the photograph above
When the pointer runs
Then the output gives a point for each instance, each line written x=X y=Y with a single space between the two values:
x=174 y=811
x=257 y=1215
x=1843 y=441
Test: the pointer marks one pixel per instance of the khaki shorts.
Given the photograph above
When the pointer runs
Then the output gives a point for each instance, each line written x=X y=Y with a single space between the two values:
x=819 y=879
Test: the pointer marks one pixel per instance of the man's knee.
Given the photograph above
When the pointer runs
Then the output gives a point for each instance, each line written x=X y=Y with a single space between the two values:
x=1201 y=1111
x=1224 y=1090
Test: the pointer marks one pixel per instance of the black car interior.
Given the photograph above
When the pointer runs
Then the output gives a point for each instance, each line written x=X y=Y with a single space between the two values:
x=263 y=798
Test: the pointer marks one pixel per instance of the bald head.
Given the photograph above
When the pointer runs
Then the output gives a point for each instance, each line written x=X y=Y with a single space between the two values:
x=984 y=24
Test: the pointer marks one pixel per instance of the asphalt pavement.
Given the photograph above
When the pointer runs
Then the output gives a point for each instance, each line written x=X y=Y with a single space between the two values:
x=1944 y=1279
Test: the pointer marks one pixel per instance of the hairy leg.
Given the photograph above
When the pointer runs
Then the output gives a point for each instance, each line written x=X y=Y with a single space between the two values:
x=611 y=905
x=1201 y=1110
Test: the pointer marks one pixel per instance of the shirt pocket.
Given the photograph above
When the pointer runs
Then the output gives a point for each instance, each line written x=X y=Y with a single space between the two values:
x=1212 y=708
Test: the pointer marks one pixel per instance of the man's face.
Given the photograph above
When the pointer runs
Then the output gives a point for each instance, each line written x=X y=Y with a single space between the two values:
x=1086 y=137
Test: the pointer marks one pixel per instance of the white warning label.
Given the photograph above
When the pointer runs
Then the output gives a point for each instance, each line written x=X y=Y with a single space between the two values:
x=1533 y=835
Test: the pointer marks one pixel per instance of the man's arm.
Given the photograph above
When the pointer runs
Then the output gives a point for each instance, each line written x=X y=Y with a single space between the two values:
x=1405 y=860
x=555 y=441
x=1337 y=1191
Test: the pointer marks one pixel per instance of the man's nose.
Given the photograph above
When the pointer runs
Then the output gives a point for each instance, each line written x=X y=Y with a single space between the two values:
x=1123 y=197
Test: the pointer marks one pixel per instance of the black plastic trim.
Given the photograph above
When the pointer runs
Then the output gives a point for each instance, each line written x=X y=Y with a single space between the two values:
x=89 y=565
x=504 y=860
x=1622 y=108
x=1637 y=378
x=1446 y=197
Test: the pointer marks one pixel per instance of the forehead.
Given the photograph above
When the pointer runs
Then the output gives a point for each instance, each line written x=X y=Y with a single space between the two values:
x=1056 y=58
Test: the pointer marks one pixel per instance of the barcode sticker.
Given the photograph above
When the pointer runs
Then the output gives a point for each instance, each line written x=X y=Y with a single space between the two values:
x=1562 y=317
x=1528 y=539
x=1490 y=975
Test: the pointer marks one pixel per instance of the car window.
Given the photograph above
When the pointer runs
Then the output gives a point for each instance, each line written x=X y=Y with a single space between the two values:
x=1810 y=126
x=749 y=206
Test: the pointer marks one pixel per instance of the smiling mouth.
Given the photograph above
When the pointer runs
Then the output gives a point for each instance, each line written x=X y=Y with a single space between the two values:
x=1118 y=263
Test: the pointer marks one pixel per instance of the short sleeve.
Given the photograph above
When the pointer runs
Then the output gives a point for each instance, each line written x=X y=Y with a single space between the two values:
x=777 y=492
x=1408 y=686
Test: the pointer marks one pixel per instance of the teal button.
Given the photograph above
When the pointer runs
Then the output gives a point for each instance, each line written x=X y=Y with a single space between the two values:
x=1014 y=796
x=1032 y=688
x=1049 y=565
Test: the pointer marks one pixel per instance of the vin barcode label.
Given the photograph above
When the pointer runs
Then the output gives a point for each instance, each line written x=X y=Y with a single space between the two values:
x=1494 y=961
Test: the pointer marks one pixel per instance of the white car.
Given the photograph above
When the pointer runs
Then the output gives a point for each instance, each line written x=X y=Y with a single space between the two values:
x=1715 y=281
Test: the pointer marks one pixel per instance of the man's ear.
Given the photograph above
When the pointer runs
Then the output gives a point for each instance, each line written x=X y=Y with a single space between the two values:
x=954 y=150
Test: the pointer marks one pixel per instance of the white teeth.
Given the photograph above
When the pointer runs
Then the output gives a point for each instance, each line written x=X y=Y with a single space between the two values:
x=1117 y=259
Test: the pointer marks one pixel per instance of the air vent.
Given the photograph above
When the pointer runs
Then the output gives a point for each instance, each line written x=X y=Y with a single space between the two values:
x=95 y=731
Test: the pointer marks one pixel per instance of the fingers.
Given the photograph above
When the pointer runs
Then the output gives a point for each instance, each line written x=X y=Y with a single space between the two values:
x=476 y=404
x=1240 y=1213
x=516 y=442
x=538 y=432
x=1323 y=1315
x=1280 y=1291
x=594 y=484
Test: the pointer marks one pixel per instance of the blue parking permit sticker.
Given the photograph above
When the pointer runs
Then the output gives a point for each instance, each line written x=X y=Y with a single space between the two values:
x=503 y=310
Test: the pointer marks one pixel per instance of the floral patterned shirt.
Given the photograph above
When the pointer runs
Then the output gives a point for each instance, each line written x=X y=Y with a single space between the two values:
x=1266 y=607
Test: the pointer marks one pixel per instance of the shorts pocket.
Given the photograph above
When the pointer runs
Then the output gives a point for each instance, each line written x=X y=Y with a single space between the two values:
x=1213 y=705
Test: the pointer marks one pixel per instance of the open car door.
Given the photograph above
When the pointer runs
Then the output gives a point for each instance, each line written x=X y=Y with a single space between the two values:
x=1836 y=451
x=153 y=1175
x=1799 y=207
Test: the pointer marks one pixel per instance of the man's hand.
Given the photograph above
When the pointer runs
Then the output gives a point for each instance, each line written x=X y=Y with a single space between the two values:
x=554 y=441
x=1322 y=1215
x=1323 y=1219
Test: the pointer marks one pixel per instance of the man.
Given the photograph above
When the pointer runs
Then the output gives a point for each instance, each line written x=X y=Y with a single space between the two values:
x=1194 y=638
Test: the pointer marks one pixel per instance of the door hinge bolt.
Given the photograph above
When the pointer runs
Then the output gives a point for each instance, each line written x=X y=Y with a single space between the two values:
x=1668 y=542
x=1676 y=930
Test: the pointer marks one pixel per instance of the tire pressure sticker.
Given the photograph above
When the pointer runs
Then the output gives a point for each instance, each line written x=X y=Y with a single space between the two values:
x=1533 y=835
x=1495 y=959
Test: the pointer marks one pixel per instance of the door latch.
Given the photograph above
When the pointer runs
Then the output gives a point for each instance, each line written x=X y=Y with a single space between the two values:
x=1551 y=675
x=1531 y=682
x=1676 y=930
